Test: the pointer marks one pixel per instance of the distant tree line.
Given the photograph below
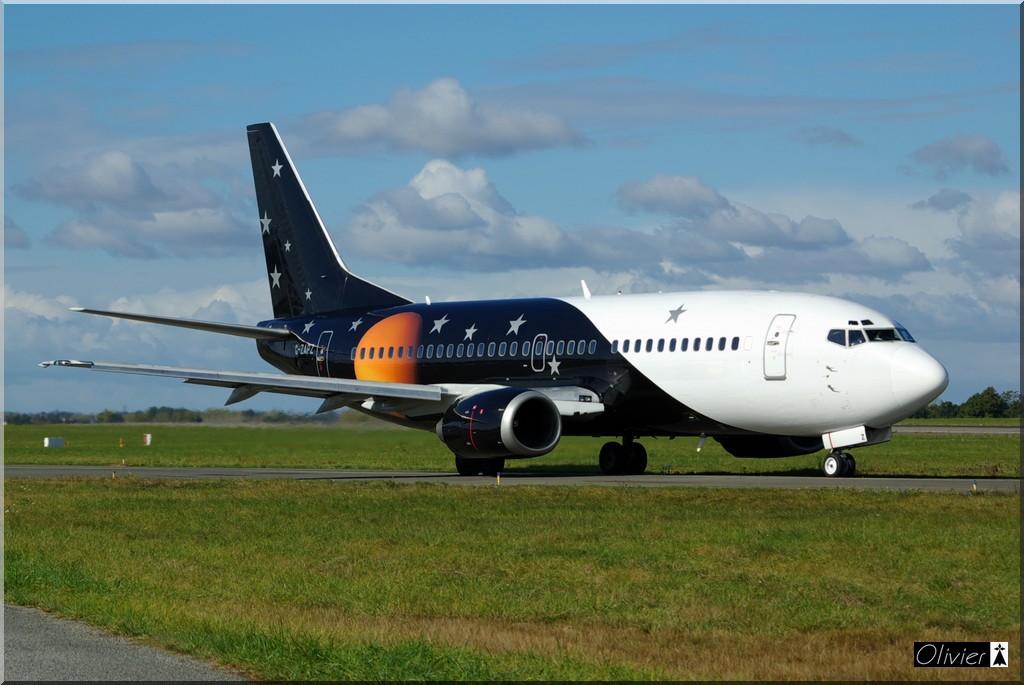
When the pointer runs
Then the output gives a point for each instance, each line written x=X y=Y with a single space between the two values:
x=987 y=404
x=166 y=415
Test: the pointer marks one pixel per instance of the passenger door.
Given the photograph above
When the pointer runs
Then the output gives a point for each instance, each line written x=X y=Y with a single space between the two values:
x=775 y=347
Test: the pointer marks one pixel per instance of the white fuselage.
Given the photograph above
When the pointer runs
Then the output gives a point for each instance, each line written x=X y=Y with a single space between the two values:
x=786 y=376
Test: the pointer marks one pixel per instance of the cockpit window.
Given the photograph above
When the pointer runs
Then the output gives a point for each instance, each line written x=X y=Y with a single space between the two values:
x=904 y=333
x=882 y=334
x=856 y=337
x=837 y=336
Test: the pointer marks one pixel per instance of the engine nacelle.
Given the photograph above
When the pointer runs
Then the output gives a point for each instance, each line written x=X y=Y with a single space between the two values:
x=769 y=446
x=508 y=422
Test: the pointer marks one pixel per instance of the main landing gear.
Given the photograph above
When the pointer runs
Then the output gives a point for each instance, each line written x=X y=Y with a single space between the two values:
x=474 y=467
x=628 y=458
x=839 y=464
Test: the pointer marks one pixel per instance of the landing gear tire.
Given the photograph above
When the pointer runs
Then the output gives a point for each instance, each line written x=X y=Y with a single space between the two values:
x=833 y=465
x=475 y=467
x=612 y=458
x=636 y=459
x=851 y=465
x=467 y=467
x=492 y=467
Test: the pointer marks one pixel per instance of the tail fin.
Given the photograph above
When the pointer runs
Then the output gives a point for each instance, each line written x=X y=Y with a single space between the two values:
x=305 y=271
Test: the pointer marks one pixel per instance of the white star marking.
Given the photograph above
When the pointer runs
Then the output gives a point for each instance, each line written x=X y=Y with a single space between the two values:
x=276 y=168
x=439 y=324
x=305 y=329
x=355 y=324
x=673 y=314
x=554 y=364
x=287 y=247
x=266 y=223
x=470 y=331
x=276 y=275
x=513 y=326
x=309 y=293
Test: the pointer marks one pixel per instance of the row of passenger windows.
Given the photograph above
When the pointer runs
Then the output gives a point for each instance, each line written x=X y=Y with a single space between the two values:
x=481 y=350
x=682 y=345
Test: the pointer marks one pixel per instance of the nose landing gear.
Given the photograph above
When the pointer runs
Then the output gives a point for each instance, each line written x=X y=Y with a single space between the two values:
x=839 y=464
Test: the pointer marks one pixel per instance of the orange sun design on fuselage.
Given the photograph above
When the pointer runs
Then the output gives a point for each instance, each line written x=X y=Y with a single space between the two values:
x=387 y=351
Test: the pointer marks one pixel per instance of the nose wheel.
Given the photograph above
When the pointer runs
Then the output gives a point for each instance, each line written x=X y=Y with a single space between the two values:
x=839 y=464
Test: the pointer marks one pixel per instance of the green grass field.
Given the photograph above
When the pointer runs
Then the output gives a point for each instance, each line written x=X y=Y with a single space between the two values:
x=328 y=580
x=359 y=445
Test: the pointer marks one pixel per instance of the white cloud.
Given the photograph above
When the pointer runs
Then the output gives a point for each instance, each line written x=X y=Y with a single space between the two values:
x=684 y=196
x=14 y=236
x=441 y=119
x=945 y=200
x=950 y=155
x=454 y=217
x=823 y=135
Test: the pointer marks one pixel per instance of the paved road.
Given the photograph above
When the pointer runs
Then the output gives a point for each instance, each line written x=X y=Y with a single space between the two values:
x=38 y=646
x=786 y=482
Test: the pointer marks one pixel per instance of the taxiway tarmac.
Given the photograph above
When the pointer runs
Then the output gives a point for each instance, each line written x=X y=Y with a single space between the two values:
x=514 y=478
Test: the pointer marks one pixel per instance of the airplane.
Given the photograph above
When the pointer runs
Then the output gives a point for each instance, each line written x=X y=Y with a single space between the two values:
x=766 y=374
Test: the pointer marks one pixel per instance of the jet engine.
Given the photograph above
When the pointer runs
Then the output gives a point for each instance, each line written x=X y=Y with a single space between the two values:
x=769 y=446
x=508 y=422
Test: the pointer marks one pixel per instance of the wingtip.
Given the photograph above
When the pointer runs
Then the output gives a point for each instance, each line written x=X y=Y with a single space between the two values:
x=66 y=362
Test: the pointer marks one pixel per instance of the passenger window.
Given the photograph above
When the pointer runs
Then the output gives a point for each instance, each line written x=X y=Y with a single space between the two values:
x=736 y=343
x=560 y=348
x=661 y=344
x=401 y=352
x=502 y=348
x=650 y=344
x=480 y=349
x=450 y=351
x=526 y=348
x=371 y=352
x=380 y=353
x=721 y=344
x=684 y=344
x=696 y=344
x=411 y=354
x=550 y=348
x=490 y=349
x=636 y=345
x=856 y=337
x=708 y=344
x=570 y=348
x=352 y=355
x=837 y=336
x=460 y=350
x=581 y=347
x=469 y=350
x=625 y=345
x=430 y=351
x=592 y=347
x=672 y=345
x=362 y=353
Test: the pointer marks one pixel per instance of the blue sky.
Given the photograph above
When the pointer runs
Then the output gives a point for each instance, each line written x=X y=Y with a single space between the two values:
x=868 y=152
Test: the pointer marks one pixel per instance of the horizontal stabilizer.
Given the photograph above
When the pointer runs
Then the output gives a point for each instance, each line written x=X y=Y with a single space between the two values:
x=254 y=332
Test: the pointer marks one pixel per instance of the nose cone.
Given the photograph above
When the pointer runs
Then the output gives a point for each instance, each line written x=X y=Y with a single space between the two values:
x=917 y=378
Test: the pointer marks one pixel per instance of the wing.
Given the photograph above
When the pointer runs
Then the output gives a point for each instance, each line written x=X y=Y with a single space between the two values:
x=335 y=392
x=340 y=392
